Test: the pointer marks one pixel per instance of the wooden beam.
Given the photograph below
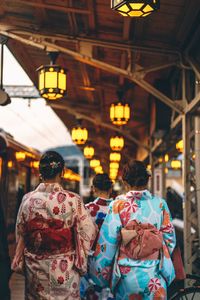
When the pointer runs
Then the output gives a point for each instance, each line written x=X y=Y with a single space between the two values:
x=50 y=6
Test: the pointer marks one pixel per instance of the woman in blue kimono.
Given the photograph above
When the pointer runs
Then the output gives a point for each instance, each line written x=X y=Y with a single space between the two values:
x=137 y=238
x=98 y=209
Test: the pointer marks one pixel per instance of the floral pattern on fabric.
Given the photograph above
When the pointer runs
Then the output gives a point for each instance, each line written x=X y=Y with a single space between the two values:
x=98 y=210
x=47 y=219
x=130 y=277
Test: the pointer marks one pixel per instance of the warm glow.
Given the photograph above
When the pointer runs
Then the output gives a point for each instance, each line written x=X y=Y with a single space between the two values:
x=135 y=8
x=114 y=165
x=98 y=170
x=149 y=167
x=52 y=82
x=176 y=164
x=88 y=152
x=119 y=113
x=179 y=146
x=10 y=164
x=20 y=156
x=117 y=143
x=115 y=156
x=94 y=163
x=166 y=170
x=35 y=164
x=166 y=158
x=79 y=135
x=70 y=175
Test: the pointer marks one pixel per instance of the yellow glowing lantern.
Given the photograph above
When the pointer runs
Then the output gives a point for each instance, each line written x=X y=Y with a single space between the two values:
x=88 y=152
x=119 y=113
x=179 y=146
x=20 y=156
x=35 y=164
x=52 y=82
x=114 y=165
x=149 y=167
x=117 y=143
x=98 y=170
x=160 y=160
x=10 y=164
x=166 y=170
x=135 y=8
x=166 y=158
x=94 y=163
x=79 y=135
x=115 y=156
x=176 y=164
x=113 y=173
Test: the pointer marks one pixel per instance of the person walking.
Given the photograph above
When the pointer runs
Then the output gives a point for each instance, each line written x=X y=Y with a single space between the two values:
x=98 y=209
x=137 y=238
x=54 y=236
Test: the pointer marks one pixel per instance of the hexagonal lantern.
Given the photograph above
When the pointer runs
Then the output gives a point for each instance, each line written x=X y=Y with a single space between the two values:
x=119 y=113
x=117 y=143
x=115 y=156
x=88 y=151
x=79 y=135
x=135 y=8
x=52 y=82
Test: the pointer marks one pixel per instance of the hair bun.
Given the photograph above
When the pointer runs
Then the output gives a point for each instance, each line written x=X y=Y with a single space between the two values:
x=102 y=182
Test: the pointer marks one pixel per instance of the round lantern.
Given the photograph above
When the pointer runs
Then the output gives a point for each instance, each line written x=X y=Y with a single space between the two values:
x=117 y=143
x=135 y=8
x=88 y=152
x=179 y=146
x=119 y=113
x=79 y=135
x=94 y=163
x=52 y=82
x=113 y=174
x=115 y=156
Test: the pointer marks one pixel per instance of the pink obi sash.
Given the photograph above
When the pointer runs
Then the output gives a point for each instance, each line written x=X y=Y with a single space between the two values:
x=140 y=241
x=47 y=236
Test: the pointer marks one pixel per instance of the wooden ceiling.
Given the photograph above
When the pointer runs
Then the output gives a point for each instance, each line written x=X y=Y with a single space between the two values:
x=90 y=36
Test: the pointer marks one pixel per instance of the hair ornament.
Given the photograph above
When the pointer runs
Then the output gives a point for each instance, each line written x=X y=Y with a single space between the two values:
x=54 y=164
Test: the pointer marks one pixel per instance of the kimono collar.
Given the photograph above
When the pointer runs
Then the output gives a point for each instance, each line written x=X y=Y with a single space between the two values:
x=138 y=195
x=103 y=201
x=49 y=187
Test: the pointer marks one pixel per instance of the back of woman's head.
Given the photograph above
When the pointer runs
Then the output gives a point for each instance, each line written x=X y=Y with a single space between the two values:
x=102 y=182
x=135 y=174
x=51 y=164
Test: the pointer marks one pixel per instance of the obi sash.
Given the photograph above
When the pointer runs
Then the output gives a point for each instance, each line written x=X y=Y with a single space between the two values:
x=140 y=241
x=47 y=236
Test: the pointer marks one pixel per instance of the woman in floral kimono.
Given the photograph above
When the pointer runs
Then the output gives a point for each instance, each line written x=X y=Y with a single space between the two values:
x=54 y=234
x=136 y=241
x=98 y=209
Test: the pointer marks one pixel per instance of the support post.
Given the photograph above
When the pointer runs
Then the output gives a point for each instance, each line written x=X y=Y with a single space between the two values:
x=197 y=173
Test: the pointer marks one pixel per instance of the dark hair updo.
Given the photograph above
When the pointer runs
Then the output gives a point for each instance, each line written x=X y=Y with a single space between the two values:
x=135 y=174
x=102 y=182
x=51 y=164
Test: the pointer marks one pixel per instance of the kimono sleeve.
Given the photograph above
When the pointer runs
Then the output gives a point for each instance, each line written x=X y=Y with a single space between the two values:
x=167 y=229
x=21 y=218
x=107 y=246
x=85 y=232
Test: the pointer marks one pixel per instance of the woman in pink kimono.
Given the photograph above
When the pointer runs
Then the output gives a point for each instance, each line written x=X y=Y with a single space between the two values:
x=54 y=234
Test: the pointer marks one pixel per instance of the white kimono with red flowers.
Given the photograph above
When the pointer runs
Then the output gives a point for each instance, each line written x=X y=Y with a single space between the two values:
x=58 y=234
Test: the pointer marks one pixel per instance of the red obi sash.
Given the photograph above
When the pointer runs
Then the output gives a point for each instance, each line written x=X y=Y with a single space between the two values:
x=47 y=236
x=140 y=241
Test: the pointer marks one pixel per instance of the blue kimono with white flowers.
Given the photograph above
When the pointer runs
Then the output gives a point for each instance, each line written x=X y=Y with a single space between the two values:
x=130 y=278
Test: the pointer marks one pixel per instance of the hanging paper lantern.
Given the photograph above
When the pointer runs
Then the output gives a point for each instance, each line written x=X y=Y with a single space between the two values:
x=52 y=82
x=20 y=156
x=88 y=152
x=135 y=8
x=119 y=113
x=115 y=156
x=114 y=165
x=117 y=143
x=95 y=163
x=179 y=146
x=79 y=135
x=176 y=164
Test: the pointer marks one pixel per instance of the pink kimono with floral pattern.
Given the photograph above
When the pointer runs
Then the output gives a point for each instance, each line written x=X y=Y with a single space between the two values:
x=58 y=234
